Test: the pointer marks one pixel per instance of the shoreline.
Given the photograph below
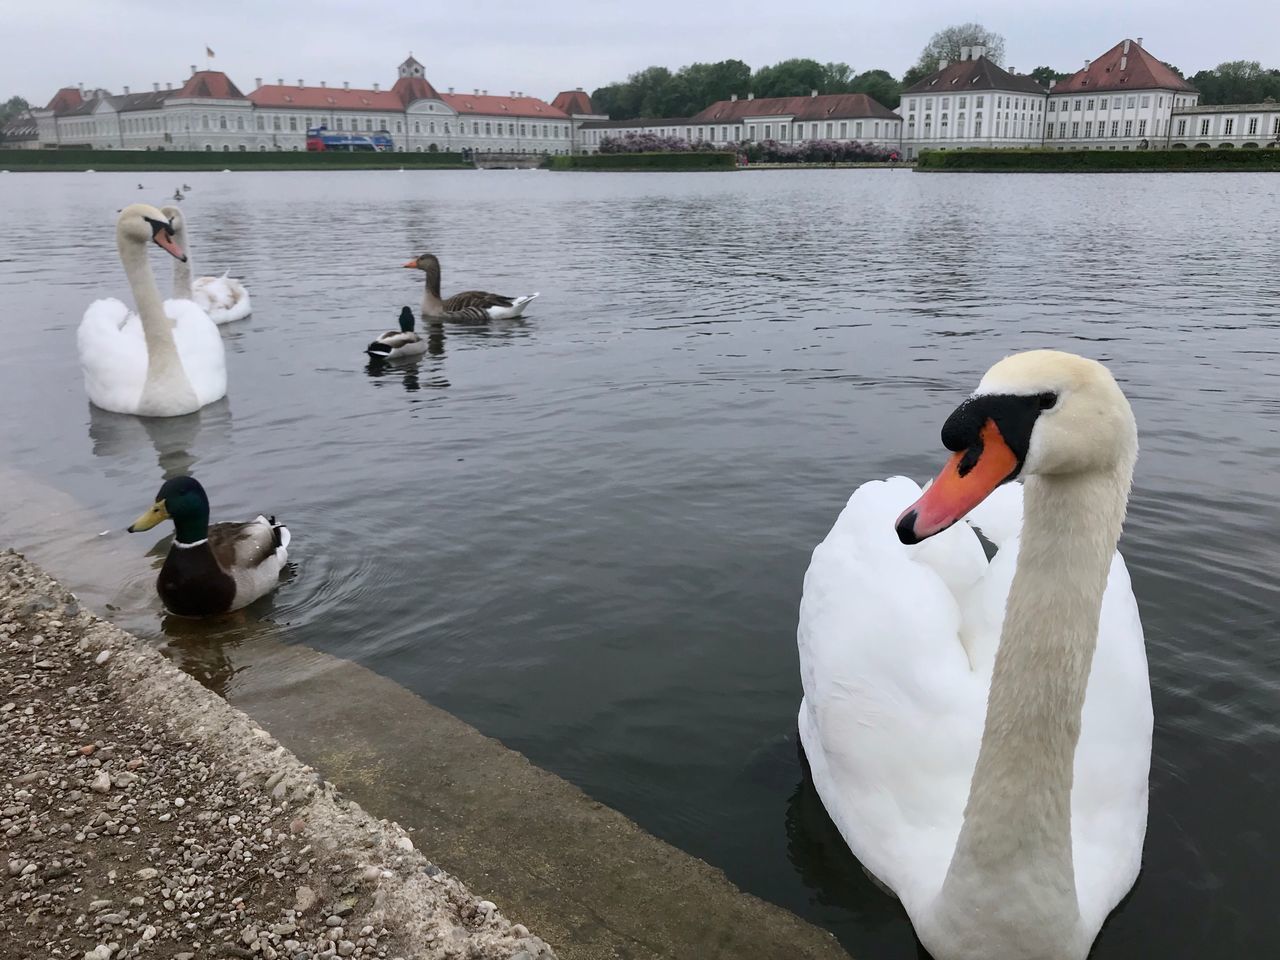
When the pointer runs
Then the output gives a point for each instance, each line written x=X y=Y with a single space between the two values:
x=117 y=766
x=585 y=878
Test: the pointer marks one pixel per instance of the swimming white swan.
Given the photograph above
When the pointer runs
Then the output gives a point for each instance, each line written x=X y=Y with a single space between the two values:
x=164 y=361
x=981 y=733
x=224 y=298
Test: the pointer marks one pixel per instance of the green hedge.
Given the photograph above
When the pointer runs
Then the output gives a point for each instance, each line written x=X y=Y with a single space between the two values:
x=645 y=161
x=1101 y=161
x=221 y=160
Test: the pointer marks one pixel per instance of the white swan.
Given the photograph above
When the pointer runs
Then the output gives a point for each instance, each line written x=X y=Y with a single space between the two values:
x=224 y=298
x=165 y=361
x=981 y=733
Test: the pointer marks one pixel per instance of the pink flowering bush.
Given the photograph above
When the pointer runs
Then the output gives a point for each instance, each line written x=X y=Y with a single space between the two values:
x=766 y=151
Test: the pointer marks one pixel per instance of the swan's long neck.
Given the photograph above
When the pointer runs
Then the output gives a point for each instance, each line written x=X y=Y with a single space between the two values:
x=165 y=374
x=182 y=268
x=432 y=305
x=1013 y=857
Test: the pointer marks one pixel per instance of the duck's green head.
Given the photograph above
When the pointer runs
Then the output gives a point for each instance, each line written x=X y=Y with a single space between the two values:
x=406 y=320
x=182 y=500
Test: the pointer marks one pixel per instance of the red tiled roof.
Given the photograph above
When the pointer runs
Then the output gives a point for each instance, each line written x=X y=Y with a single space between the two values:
x=209 y=85
x=525 y=107
x=573 y=101
x=409 y=89
x=1141 y=71
x=325 y=98
x=831 y=106
x=68 y=98
x=979 y=74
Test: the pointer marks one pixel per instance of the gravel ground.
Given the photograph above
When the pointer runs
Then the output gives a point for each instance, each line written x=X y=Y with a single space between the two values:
x=142 y=816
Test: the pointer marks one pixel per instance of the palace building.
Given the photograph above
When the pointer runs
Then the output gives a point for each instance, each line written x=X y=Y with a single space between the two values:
x=209 y=112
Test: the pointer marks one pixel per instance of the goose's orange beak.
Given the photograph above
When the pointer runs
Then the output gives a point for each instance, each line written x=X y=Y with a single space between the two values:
x=968 y=478
x=412 y=264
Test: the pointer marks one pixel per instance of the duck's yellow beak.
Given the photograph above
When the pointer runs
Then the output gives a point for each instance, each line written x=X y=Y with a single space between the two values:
x=154 y=515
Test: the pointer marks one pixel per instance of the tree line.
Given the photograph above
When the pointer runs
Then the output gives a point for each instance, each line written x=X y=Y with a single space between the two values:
x=661 y=92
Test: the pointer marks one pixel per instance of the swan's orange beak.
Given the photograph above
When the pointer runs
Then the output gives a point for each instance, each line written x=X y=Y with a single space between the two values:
x=412 y=264
x=968 y=478
x=164 y=240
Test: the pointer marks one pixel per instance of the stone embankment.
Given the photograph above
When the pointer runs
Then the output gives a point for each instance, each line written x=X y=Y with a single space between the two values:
x=142 y=816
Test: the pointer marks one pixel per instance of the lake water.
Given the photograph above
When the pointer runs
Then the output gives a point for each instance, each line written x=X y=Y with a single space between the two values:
x=585 y=532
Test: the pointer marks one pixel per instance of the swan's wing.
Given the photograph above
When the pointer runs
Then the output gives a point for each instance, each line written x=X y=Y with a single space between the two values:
x=892 y=714
x=224 y=298
x=201 y=349
x=1113 y=757
x=113 y=356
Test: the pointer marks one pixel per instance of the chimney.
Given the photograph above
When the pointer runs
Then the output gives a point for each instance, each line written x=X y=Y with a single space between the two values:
x=451 y=89
x=733 y=98
x=579 y=89
x=484 y=93
x=965 y=53
x=168 y=86
x=751 y=96
x=1138 y=41
x=812 y=94
x=155 y=87
x=193 y=69
x=1012 y=69
x=299 y=82
x=126 y=91
x=1086 y=64
x=324 y=83
x=943 y=64
x=475 y=92
x=82 y=89
x=257 y=82
x=375 y=88
x=346 y=85
x=1052 y=83
x=511 y=94
x=1126 y=47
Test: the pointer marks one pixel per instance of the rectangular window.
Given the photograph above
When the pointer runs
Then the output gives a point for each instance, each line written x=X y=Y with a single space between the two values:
x=511 y=129
x=275 y=123
x=293 y=123
x=1132 y=102
x=488 y=129
x=1048 y=131
x=1275 y=128
x=1088 y=105
x=1062 y=130
x=960 y=102
x=1253 y=126
x=523 y=129
x=1076 y=105
x=857 y=130
x=979 y=103
x=1182 y=128
x=1088 y=129
x=977 y=128
x=1146 y=100
x=1115 y=128
x=876 y=133
x=768 y=131
x=1053 y=106
x=262 y=123
x=1128 y=128
x=1075 y=131
x=1142 y=128
x=830 y=127
x=1229 y=126
x=1102 y=104
x=1204 y=127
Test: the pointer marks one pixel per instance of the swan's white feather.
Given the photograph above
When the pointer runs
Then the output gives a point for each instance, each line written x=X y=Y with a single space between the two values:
x=224 y=298
x=896 y=652
x=113 y=353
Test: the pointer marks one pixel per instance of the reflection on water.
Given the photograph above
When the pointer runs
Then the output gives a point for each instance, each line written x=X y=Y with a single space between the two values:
x=585 y=531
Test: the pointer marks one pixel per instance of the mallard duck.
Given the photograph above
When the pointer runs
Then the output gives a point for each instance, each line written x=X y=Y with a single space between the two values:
x=471 y=305
x=212 y=569
x=177 y=194
x=402 y=343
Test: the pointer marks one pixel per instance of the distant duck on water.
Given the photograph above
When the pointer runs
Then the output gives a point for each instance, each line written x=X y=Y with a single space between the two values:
x=212 y=569
x=177 y=194
x=186 y=187
x=402 y=343
x=472 y=305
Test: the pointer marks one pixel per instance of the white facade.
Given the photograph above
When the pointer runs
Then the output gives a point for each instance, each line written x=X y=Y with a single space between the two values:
x=957 y=121
x=1249 y=125
x=1110 y=120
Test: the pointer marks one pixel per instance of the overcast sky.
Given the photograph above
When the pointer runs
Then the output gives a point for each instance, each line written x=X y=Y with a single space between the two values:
x=543 y=46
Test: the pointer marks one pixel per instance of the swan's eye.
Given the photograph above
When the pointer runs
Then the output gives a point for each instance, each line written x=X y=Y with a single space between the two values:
x=1047 y=401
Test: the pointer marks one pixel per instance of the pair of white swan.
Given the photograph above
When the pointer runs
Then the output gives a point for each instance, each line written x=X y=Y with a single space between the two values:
x=167 y=359
x=980 y=733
